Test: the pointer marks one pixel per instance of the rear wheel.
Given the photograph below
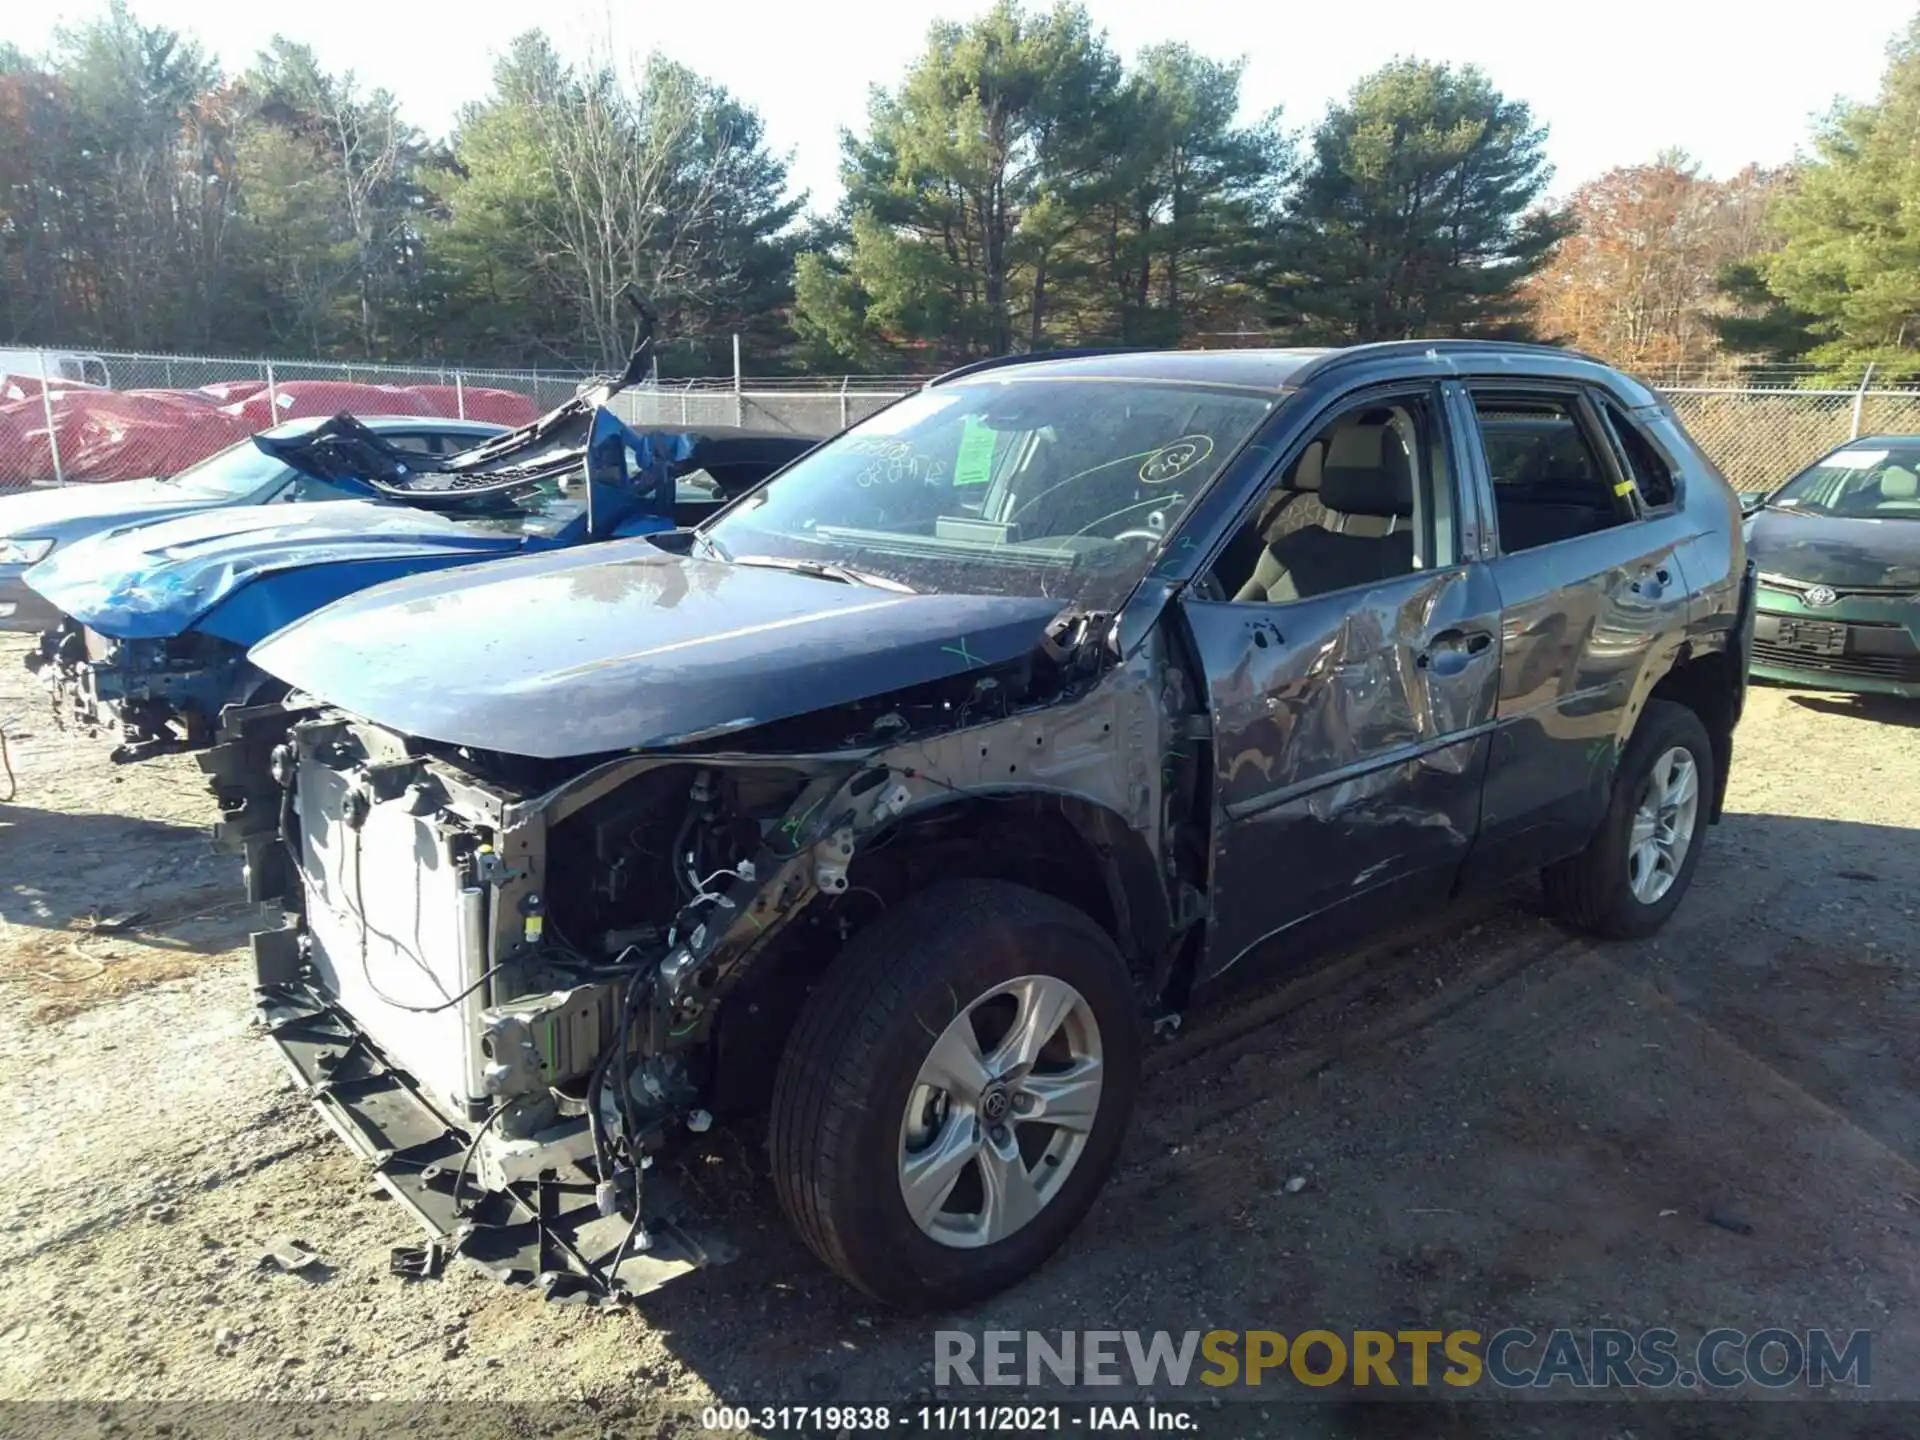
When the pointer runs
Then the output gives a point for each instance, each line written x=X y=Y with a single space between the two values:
x=955 y=1092
x=1640 y=861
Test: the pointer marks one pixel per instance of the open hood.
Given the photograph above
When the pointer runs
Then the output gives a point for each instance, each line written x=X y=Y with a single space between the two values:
x=626 y=471
x=1836 y=550
x=626 y=646
x=153 y=581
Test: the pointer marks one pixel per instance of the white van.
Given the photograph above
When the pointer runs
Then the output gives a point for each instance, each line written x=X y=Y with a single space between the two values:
x=70 y=365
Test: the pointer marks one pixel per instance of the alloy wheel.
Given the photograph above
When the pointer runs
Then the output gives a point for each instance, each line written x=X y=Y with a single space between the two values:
x=1663 y=825
x=1000 y=1111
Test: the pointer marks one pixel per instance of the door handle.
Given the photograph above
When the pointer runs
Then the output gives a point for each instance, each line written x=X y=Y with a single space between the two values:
x=1450 y=651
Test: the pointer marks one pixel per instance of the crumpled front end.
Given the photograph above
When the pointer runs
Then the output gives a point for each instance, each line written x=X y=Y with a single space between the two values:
x=514 y=984
x=152 y=694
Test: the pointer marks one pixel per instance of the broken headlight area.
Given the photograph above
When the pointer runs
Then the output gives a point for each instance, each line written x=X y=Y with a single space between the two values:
x=153 y=694
x=508 y=1003
x=516 y=984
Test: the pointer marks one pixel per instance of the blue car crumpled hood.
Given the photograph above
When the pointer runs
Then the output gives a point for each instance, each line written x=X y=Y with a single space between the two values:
x=155 y=581
x=160 y=581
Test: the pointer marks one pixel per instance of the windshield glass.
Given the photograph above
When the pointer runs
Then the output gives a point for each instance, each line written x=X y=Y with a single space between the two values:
x=232 y=474
x=543 y=508
x=1866 y=482
x=546 y=508
x=1060 y=487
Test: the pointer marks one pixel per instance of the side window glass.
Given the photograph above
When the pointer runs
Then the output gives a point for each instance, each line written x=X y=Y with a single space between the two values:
x=1651 y=473
x=1549 y=482
x=1368 y=499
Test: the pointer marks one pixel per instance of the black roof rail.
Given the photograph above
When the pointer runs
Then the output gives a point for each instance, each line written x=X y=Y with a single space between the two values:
x=974 y=367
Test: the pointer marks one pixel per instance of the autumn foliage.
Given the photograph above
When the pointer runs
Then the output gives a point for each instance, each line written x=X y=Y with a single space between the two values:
x=1638 y=281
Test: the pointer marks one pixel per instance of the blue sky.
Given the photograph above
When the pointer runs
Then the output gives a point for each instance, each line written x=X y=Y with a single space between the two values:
x=1725 y=81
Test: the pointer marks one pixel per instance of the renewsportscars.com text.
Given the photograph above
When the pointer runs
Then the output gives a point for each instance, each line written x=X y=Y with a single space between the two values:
x=1510 y=1359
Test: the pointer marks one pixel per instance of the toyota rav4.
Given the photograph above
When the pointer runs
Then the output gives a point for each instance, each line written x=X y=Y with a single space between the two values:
x=903 y=797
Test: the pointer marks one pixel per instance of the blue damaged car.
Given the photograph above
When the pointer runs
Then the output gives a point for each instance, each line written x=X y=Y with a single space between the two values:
x=35 y=524
x=155 y=621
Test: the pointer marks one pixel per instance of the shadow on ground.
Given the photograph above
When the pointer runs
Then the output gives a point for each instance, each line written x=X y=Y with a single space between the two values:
x=56 y=866
x=1881 y=709
x=1561 y=1145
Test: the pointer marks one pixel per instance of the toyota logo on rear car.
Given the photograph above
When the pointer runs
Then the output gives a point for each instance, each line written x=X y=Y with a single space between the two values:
x=1820 y=595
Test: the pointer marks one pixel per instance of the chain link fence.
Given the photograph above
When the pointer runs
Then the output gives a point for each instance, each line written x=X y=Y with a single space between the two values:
x=84 y=417
x=1761 y=438
x=1758 y=437
x=72 y=417
x=802 y=407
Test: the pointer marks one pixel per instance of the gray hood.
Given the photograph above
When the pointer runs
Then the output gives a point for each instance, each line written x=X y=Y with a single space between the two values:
x=1837 y=550
x=573 y=653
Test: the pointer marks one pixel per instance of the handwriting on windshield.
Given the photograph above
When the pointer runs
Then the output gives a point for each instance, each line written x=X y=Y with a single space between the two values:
x=894 y=462
x=1173 y=460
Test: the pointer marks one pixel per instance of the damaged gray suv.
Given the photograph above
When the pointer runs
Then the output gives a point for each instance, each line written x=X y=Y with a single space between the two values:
x=901 y=800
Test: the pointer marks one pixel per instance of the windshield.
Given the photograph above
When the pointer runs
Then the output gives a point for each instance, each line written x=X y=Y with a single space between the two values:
x=547 y=508
x=1867 y=482
x=1060 y=487
x=232 y=474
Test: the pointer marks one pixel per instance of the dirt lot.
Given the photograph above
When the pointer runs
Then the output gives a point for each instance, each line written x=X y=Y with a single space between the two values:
x=1497 y=1124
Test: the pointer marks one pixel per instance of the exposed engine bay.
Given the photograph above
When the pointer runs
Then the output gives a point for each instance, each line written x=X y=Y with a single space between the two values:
x=512 y=982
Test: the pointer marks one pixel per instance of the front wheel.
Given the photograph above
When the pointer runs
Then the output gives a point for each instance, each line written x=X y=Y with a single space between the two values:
x=1633 y=872
x=955 y=1092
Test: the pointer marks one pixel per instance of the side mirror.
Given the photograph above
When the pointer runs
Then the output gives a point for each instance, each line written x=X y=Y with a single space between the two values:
x=1752 y=500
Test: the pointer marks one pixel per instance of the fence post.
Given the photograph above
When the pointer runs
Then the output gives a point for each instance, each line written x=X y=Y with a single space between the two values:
x=46 y=408
x=845 y=380
x=1860 y=399
x=460 y=394
x=739 y=400
x=273 y=398
x=685 y=390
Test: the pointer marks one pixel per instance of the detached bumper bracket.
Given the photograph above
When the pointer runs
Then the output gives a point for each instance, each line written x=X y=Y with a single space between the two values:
x=547 y=1232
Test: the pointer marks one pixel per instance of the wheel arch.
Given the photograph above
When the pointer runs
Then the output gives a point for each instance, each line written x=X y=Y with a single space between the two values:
x=1709 y=683
x=1065 y=846
x=1075 y=849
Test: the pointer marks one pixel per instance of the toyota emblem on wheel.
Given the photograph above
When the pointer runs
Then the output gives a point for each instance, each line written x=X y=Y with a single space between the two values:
x=1820 y=596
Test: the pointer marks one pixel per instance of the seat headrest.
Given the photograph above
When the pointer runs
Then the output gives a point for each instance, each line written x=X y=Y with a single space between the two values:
x=1306 y=470
x=1367 y=472
x=1898 y=484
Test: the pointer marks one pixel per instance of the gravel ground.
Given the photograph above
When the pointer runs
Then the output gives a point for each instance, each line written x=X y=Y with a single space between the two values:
x=1497 y=1124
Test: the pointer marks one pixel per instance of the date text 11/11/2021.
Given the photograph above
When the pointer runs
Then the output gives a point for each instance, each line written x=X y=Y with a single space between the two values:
x=947 y=1419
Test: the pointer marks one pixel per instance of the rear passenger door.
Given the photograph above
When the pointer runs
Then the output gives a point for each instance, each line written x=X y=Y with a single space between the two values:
x=1351 y=667
x=1592 y=603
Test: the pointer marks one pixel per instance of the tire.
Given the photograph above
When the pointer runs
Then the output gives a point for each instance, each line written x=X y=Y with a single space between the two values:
x=839 y=1132
x=1594 y=890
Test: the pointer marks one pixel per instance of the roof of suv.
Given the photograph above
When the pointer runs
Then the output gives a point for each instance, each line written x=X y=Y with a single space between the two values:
x=1281 y=369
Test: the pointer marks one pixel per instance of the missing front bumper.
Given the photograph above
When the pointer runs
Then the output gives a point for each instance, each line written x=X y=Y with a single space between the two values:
x=546 y=1232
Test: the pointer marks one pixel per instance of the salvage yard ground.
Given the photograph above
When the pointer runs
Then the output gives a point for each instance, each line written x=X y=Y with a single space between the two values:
x=1497 y=1124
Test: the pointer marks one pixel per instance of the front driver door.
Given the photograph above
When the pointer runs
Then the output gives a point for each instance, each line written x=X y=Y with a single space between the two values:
x=1350 y=723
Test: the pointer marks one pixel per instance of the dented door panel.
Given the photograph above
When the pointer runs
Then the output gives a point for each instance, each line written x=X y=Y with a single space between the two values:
x=1591 y=623
x=1349 y=737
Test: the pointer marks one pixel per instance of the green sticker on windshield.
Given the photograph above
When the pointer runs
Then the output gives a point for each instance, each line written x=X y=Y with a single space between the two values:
x=974 y=464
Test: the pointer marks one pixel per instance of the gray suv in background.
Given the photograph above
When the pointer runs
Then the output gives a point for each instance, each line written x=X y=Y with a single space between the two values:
x=902 y=797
